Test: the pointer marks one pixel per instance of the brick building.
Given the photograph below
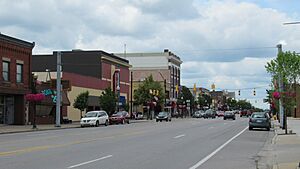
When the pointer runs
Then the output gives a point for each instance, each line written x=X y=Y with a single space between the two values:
x=15 y=56
x=91 y=71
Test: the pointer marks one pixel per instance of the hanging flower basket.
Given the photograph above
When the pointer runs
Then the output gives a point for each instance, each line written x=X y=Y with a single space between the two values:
x=276 y=95
x=35 y=97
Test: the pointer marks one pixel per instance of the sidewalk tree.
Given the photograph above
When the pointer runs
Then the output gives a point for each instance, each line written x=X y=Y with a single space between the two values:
x=108 y=101
x=232 y=103
x=287 y=64
x=142 y=95
x=81 y=102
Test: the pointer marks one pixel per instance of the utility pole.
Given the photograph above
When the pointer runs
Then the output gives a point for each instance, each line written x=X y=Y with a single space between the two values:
x=282 y=114
x=131 y=104
x=58 y=88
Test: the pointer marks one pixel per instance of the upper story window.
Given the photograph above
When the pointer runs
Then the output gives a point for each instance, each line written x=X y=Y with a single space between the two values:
x=19 y=73
x=5 y=70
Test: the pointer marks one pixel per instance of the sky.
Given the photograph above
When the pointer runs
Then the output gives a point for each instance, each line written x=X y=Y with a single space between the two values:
x=227 y=42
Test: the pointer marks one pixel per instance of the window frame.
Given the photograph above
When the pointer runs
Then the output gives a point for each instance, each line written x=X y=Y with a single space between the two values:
x=21 y=73
x=7 y=72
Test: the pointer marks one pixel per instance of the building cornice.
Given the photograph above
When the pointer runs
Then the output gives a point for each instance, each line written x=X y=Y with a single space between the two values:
x=16 y=41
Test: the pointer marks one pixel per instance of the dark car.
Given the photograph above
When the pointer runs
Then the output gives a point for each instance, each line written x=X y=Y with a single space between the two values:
x=260 y=120
x=121 y=117
x=210 y=113
x=163 y=116
x=229 y=115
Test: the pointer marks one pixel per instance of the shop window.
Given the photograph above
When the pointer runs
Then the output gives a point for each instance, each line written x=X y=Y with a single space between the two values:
x=19 y=73
x=5 y=70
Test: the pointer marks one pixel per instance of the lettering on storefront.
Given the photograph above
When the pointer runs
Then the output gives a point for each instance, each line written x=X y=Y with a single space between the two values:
x=49 y=92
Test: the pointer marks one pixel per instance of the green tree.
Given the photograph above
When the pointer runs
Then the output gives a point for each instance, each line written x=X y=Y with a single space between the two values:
x=204 y=100
x=142 y=95
x=287 y=65
x=184 y=95
x=81 y=102
x=108 y=101
x=244 y=104
x=232 y=103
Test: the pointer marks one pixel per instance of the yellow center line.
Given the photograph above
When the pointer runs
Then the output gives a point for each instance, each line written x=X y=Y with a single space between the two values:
x=46 y=147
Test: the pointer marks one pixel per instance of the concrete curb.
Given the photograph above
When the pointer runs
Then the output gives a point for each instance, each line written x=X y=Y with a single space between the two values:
x=57 y=128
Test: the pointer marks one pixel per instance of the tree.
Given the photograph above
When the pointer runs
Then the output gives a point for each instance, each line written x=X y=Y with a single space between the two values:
x=81 y=102
x=232 y=103
x=108 y=101
x=184 y=95
x=142 y=95
x=287 y=65
x=244 y=104
x=204 y=100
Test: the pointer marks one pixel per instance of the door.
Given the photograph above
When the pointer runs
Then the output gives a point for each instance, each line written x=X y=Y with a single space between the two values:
x=9 y=110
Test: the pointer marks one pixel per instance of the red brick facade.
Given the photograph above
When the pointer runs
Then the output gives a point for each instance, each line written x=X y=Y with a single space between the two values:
x=14 y=51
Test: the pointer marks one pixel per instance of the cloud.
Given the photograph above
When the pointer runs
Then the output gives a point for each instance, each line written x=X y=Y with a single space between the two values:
x=223 y=42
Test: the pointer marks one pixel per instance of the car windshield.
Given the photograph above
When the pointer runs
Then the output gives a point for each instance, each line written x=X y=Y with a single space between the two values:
x=162 y=113
x=91 y=114
x=258 y=115
x=119 y=114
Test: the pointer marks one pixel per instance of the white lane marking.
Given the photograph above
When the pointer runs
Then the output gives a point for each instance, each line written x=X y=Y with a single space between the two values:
x=41 y=134
x=225 y=123
x=182 y=135
x=98 y=159
x=211 y=127
x=217 y=150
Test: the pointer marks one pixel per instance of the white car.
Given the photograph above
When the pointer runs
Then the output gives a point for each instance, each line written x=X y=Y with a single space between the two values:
x=94 y=118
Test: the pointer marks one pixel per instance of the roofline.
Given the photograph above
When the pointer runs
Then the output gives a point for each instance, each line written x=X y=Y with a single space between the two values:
x=17 y=41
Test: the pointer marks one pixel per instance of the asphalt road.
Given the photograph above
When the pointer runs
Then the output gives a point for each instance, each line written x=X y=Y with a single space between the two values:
x=180 y=144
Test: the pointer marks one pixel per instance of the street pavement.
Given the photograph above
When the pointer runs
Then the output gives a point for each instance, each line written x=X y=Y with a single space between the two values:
x=286 y=147
x=180 y=144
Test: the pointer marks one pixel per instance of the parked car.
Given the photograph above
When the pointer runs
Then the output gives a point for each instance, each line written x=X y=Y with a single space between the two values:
x=197 y=114
x=121 y=117
x=260 y=120
x=229 y=115
x=94 y=118
x=210 y=113
x=220 y=113
x=163 y=116
x=139 y=116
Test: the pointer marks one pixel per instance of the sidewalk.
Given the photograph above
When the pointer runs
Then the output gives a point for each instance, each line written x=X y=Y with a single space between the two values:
x=286 y=148
x=7 y=129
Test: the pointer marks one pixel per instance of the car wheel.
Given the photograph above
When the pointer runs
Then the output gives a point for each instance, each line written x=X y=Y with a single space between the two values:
x=156 y=120
x=128 y=122
x=123 y=121
x=97 y=123
x=81 y=126
x=268 y=128
x=106 y=123
x=224 y=118
x=250 y=128
x=170 y=119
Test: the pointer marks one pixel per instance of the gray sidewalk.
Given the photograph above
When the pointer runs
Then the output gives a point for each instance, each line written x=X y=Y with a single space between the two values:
x=286 y=148
x=7 y=129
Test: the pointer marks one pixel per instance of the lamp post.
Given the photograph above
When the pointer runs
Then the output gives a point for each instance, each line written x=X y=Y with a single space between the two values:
x=34 y=80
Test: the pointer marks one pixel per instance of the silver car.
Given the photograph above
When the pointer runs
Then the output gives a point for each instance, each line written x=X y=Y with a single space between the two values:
x=260 y=120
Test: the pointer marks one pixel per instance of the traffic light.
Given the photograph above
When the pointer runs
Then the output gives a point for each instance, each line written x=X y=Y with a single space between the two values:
x=239 y=92
x=254 y=93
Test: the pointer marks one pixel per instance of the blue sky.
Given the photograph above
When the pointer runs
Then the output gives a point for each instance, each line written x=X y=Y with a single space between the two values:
x=223 y=42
